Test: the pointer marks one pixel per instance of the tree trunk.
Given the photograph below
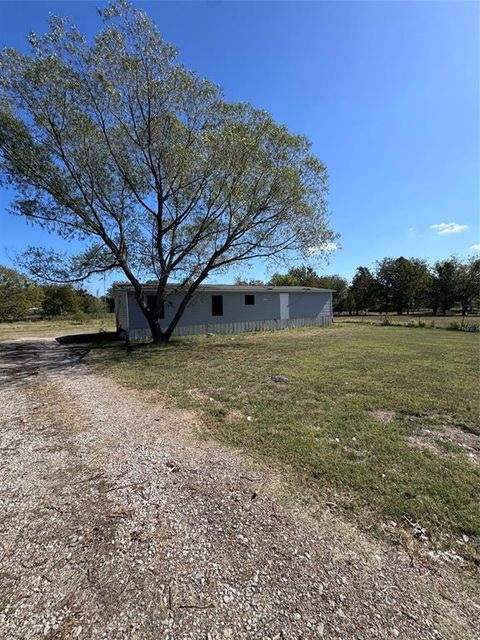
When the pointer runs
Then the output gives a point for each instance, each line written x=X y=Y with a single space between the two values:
x=158 y=335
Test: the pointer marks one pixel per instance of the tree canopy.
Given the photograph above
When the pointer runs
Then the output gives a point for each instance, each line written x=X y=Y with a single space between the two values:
x=115 y=143
x=18 y=295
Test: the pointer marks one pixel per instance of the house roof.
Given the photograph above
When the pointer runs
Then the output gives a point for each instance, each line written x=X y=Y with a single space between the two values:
x=228 y=288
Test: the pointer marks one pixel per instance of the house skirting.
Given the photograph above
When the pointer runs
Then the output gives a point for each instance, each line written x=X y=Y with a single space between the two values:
x=236 y=327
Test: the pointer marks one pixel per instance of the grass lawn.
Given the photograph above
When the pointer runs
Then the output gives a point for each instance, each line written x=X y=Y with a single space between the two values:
x=438 y=322
x=54 y=328
x=383 y=421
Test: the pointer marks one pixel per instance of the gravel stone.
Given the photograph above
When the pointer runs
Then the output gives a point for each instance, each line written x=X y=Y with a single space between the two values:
x=117 y=522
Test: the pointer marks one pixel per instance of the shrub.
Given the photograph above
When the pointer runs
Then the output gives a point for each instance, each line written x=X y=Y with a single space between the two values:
x=463 y=326
x=79 y=317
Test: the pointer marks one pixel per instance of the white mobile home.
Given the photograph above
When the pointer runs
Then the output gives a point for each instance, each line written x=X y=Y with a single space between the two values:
x=227 y=309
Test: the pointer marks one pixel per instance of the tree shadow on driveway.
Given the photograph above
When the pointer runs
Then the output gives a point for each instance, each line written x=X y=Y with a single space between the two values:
x=22 y=359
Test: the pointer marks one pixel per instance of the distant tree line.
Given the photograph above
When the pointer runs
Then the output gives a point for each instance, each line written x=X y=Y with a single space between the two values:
x=394 y=285
x=398 y=285
x=21 y=298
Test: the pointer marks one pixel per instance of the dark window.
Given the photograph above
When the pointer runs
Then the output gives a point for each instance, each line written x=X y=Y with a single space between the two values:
x=151 y=302
x=249 y=300
x=217 y=305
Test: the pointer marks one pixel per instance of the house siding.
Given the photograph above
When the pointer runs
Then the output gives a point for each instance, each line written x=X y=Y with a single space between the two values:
x=272 y=310
x=199 y=309
x=307 y=305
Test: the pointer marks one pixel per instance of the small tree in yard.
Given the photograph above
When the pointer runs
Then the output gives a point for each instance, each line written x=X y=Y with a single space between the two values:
x=118 y=145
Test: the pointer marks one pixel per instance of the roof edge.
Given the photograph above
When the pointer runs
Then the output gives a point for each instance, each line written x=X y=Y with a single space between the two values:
x=233 y=288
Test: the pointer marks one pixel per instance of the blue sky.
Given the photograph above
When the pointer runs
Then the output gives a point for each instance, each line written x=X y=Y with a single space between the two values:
x=388 y=93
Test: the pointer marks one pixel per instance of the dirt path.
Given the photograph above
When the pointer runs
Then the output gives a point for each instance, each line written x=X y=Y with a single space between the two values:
x=116 y=521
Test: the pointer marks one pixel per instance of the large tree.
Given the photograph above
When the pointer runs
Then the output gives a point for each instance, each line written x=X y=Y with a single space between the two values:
x=115 y=143
x=402 y=283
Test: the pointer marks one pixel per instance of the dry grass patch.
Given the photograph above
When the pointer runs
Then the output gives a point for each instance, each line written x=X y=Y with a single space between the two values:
x=447 y=440
x=54 y=328
x=383 y=416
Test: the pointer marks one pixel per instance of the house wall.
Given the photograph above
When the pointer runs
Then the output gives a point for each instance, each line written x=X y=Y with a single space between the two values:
x=271 y=310
x=199 y=309
x=310 y=305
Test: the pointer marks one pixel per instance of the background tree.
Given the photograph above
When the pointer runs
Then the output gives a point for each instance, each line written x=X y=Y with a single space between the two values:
x=363 y=291
x=402 y=284
x=468 y=283
x=89 y=303
x=18 y=295
x=118 y=145
x=251 y=283
x=284 y=280
x=60 y=300
x=444 y=285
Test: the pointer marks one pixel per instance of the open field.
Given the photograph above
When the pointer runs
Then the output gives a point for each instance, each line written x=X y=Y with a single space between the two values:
x=54 y=328
x=436 y=322
x=380 y=421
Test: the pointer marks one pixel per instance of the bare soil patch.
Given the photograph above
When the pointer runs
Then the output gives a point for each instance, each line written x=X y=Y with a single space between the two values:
x=383 y=416
x=450 y=436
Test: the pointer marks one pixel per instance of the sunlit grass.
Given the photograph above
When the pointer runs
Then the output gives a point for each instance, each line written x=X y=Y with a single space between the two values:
x=54 y=328
x=321 y=423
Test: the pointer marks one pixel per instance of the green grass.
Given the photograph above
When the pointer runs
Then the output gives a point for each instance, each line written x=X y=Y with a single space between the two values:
x=319 y=424
x=54 y=328
x=430 y=322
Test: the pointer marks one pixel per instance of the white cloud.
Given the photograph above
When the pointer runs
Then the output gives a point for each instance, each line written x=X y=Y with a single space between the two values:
x=448 y=227
x=411 y=229
x=475 y=247
x=325 y=246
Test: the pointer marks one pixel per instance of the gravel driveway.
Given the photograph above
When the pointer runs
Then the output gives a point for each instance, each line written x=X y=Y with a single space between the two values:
x=117 y=520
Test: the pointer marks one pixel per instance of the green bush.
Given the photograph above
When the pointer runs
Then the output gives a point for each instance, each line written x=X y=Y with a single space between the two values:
x=463 y=326
x=79 y=317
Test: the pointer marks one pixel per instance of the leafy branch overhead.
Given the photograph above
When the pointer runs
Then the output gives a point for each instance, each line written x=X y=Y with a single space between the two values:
x=115 y=143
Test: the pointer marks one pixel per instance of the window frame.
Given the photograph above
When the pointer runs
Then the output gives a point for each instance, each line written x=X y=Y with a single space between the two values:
x=251 y=300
